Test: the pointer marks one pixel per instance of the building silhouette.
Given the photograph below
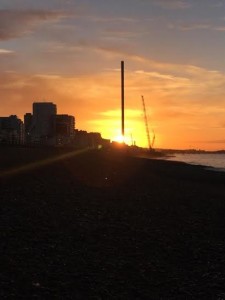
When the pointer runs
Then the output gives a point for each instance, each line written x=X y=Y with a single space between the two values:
x=45 y=127
x=63 y=129
x=28 y=121
x=84 y=139
x=42 y=129
x=11 y=130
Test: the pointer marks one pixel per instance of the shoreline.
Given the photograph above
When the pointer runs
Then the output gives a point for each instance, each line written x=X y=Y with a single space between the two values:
x=211 y=163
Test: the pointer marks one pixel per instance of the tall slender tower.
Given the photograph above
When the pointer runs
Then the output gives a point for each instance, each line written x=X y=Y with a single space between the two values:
x=122 y=97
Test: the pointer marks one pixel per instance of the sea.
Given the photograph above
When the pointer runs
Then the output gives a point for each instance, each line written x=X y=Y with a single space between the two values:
x=213 y=161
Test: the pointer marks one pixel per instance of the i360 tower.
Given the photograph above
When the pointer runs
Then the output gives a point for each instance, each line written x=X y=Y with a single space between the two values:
x=122 y=98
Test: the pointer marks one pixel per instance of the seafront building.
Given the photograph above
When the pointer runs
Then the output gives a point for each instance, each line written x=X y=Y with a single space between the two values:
x=38 y=126
x=28 y=119
x=85 y=139
x=42 y=129
x=45 y=127
x=11 y=130
x=63 y=129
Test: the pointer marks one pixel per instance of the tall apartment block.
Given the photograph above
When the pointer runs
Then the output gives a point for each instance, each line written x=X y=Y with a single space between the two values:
x=45 y=127
x=41 y=128
x=38 y=126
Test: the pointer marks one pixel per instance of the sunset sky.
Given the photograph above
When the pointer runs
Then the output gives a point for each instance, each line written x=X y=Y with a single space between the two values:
x=69 y=52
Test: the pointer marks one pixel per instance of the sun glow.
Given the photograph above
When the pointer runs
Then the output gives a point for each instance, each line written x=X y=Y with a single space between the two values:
x=119 y=139
x=122 y=139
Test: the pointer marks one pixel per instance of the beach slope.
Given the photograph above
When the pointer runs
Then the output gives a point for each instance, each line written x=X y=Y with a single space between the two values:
x=104 y=225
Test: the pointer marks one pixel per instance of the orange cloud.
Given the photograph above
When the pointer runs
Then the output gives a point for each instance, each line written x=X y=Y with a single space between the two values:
x=5 y=51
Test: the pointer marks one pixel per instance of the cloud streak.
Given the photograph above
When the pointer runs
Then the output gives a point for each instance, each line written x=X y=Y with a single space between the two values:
x=173 y=4
x=197 y=26
x=5 y=51
x=16 y=23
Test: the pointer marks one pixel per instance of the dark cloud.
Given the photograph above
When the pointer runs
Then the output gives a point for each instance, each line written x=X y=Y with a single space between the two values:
x=16 y=23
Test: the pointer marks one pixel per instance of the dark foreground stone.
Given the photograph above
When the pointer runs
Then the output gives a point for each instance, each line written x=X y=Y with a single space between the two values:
x=102 y=225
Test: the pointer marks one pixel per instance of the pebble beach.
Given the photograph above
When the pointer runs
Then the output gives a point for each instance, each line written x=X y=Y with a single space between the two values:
x=101 y=224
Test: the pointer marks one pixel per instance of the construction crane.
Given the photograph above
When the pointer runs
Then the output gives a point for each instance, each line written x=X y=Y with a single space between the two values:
x=153 y=139
x=150 y=143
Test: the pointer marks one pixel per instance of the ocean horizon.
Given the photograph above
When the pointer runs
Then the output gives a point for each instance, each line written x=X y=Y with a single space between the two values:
x=209 y=160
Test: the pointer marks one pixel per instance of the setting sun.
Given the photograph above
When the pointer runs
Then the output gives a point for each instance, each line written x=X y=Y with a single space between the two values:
x=122 y=139
x=119 y=139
